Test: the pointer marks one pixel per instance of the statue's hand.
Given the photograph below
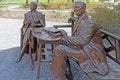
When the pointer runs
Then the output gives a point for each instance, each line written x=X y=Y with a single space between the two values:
x=71 y=19
x=33 y=24
x=27 y=22
x=64 y=34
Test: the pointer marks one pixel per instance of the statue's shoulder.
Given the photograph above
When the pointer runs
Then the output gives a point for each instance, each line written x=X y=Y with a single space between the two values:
x=90 y=20
x=27 y=13
x=39 y=13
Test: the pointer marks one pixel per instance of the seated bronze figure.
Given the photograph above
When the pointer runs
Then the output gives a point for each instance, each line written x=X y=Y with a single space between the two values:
x=32 y=19
x=85 y=46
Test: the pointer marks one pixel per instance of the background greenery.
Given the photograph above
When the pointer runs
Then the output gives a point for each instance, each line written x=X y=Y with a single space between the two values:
x=106 y=15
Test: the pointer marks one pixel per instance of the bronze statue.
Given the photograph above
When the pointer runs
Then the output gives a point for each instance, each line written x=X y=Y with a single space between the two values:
x=85 y=46
x=32 y=19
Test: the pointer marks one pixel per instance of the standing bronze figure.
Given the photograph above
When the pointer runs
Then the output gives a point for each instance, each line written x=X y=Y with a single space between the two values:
x=32 y=20
x=85 y=46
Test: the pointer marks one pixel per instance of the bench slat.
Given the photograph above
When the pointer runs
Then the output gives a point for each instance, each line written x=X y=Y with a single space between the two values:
x=114 y=74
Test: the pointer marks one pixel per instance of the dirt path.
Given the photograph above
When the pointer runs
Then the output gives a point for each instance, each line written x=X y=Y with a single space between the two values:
x=17 y=12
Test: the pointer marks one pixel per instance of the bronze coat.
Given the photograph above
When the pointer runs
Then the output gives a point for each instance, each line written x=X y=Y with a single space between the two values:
x=36 y=17
x=85 y=46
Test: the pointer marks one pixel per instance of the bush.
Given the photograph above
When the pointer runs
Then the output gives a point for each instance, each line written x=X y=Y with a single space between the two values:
x=56 y=5
x=106 y=16
x=44 y=5
x=0 y=10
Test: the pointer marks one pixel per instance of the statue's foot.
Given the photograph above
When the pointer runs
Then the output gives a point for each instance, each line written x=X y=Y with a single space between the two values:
x=18 y=59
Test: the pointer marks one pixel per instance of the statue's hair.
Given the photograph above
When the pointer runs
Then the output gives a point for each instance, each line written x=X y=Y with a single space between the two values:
x=34 y=3
x=79 y=3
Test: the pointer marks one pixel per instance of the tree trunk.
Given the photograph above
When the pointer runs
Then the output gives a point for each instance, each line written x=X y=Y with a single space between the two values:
x=26 y=1
x=72 y=0
x=48 y=1
x=37 y=1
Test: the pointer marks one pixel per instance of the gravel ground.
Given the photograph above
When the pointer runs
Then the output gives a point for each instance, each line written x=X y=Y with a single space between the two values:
x=9 y=50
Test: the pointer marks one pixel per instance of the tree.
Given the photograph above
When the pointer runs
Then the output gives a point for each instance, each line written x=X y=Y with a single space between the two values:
x=37 y=1
x=48 y=1
x=26 y=1
x=72 y=0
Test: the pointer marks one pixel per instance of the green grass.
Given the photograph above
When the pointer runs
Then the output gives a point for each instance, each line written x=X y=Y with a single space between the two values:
x=60 y=4
x=23 y=1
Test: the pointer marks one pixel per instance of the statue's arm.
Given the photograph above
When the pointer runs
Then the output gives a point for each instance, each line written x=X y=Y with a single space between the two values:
x=84 y=37
x=72 y=19
x=26 y=21
x=42 y=20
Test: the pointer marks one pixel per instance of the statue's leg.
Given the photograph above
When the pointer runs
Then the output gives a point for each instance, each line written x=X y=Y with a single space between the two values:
x=21 y=53
x=58 y=64
x=68 y=72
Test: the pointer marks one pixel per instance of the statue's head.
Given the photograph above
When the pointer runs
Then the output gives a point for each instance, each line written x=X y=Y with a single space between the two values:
x=79 y=8
x=33 y=6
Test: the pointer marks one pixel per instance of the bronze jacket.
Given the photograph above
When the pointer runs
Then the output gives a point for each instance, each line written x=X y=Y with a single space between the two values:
x=36 y=17
x=87 y=39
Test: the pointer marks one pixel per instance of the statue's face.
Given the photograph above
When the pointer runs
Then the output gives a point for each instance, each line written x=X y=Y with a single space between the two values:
x=78 y=9
x=32 y=7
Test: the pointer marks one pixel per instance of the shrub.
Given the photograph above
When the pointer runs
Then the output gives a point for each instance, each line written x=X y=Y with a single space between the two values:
x=44 y=5
x=56 y=5
x=106 y=16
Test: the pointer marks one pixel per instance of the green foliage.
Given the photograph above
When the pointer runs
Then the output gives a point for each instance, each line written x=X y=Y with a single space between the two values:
x=24 y=4
x=44 y=5
x=56 y=5
x=107 y=17
x=61 y=5
x=91 y=6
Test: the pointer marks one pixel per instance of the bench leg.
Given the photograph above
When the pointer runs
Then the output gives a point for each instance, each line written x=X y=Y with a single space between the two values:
x=43 y=47
x=30 y=58
x=39 y=52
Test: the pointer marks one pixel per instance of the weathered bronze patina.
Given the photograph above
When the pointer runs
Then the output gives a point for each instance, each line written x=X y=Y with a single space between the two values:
x=32 y=20
x=85 y=46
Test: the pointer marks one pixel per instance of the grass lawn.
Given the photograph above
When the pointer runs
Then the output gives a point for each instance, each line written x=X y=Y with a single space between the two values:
x=24 y=1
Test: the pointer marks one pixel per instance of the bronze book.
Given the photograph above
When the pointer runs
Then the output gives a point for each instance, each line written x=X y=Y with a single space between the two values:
x=53 y=32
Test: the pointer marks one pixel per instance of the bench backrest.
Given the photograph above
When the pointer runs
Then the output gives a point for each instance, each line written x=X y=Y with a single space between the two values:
x=112 y=45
